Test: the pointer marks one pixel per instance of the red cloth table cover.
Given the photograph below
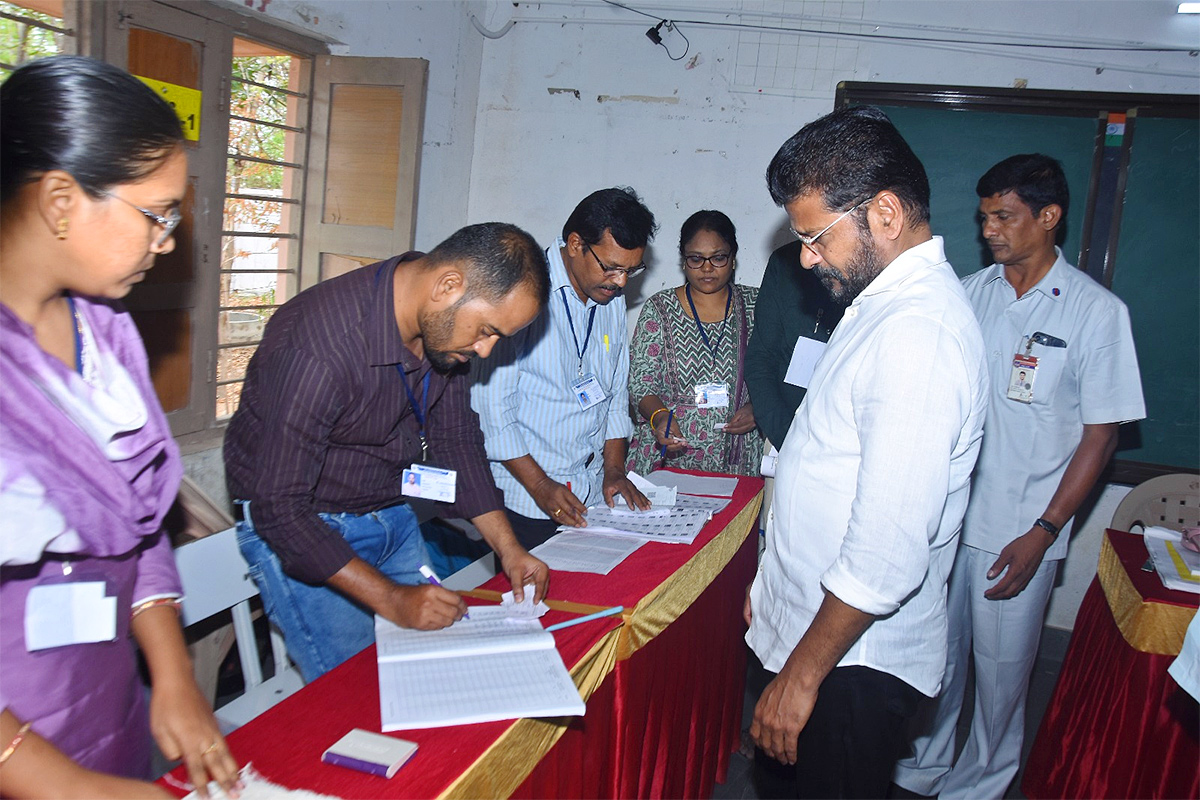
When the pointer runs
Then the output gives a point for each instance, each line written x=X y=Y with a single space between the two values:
x=681 y=689
x=1117 y=725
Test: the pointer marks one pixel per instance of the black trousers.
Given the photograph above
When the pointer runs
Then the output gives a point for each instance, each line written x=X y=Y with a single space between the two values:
x=852 y=741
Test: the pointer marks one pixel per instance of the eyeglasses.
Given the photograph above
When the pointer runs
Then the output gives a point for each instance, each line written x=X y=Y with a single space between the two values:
x=696 y=261
x=170 y=222
x=614 y=271
x=811 y=241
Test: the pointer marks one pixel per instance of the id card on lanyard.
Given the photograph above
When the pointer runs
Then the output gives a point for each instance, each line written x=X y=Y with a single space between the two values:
x=713 y=394
x=586 y=390
x=423 y=480
x=63 y=611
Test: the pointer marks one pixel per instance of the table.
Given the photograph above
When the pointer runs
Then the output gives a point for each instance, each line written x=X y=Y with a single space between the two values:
x=663 y=686
x=1118 y=725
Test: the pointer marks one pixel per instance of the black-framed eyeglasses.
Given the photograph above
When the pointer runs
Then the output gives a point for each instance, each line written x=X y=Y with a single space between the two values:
x=696 y=261
x=627 y=272
x=811 y=241
x=169 y=223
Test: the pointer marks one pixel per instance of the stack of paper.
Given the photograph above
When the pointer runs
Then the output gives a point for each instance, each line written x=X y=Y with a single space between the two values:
x=1172 y=561
x=694 y=484
x=485 y=668
x=676 y=526
x=581 y=551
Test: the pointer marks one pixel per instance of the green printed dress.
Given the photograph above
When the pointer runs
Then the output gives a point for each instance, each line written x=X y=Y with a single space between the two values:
x=668 y=357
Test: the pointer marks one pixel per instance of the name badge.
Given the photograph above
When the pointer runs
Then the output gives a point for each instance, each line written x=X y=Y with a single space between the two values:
x=1020 y=384
x=805 y=356
x=430 y=483
x=588 y=392
x=59 y=614
x=711 y=395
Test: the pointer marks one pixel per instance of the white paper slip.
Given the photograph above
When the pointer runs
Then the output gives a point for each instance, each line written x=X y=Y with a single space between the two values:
x=769 y=460
x=659 y=496
x=585 y=552
x=489 y=630
x=255 y=787
x=526 y=609
x=805 y=356
x=694 y=484
x=434 y=693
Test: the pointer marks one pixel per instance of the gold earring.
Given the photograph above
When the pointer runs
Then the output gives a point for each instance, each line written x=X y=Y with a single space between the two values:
x=62 y=229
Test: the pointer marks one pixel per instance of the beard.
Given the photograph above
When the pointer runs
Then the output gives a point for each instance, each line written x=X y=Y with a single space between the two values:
x=437 y=330
x=862 y=268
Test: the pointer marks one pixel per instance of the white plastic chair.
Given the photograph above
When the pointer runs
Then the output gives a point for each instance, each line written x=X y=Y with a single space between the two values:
x=215 y=578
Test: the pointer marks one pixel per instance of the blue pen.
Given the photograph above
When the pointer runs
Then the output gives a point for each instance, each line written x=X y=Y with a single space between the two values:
x=433 y=578
x=608 y=612
x=667 y=432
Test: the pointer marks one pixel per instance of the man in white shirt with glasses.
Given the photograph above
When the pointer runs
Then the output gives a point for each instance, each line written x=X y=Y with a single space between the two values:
x=849 y=606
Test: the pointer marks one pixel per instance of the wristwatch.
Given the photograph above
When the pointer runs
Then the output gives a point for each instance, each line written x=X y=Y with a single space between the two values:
x=1048 y=526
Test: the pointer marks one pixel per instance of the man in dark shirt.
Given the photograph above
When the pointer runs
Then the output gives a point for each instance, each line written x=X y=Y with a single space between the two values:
x=356 y=379
x=791 y=303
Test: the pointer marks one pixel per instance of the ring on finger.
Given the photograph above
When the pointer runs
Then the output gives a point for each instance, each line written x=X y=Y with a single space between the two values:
x=212 y=748
x=557 y=511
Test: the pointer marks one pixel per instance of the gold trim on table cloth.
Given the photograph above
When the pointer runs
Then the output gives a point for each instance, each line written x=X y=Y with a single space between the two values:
x=1150 y=627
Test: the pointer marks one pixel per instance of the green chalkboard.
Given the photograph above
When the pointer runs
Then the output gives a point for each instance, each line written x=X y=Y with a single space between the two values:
x=957 y=147
x=1157 y=274
x=1155 y=264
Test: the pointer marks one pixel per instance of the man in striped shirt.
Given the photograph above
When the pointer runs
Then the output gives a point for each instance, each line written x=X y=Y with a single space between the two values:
x=554 y=405
x=356 y=379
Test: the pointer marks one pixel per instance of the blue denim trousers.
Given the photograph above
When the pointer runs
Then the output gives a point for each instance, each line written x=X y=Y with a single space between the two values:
x=321 y=626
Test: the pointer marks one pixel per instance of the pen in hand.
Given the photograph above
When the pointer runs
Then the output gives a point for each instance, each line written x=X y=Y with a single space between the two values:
x=667 y=433
x=433 y=578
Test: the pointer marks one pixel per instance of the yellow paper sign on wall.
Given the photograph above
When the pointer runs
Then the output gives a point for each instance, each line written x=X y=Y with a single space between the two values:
x=185 y=101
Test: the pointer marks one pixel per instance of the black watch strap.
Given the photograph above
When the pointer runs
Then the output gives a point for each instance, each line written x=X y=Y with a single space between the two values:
x=1048 y=526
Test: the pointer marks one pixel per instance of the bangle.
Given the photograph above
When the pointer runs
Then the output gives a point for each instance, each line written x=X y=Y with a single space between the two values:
x=1048 y=526
x=659 y=411
x=158 y=601
x=15 y=743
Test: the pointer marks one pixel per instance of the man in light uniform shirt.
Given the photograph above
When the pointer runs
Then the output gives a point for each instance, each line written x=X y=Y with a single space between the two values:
x=849 y=605
x=1048 y=436
x=553 y=404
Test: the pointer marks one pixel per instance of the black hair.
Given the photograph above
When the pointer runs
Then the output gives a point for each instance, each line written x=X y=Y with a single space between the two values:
x=714 y=221
x=496 y=257
x=619 y=211
x=90 y=119
x=849 y=156
x=1037 y=179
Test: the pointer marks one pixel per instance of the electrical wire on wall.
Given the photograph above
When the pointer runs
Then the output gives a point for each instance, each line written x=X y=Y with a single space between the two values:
x=655 y=33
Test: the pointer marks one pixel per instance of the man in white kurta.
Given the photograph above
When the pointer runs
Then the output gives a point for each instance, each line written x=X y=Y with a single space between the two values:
x=1048 y=437
x=849 y=605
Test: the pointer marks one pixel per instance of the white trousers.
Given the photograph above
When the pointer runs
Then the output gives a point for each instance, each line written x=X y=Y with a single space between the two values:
x=1002 y=635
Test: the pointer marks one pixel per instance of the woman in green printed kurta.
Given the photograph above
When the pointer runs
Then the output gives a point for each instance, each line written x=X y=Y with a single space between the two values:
x=687 y=357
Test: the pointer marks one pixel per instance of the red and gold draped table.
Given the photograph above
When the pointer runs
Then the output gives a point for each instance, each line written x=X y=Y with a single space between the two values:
x=663 y=685
x=1118 y=725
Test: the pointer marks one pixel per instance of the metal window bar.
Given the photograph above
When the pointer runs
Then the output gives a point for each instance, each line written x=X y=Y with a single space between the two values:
x=243 y=157
x=269 y=124
x=269 y=87
x=262 y=235
x=37 y=23
x=262 y=198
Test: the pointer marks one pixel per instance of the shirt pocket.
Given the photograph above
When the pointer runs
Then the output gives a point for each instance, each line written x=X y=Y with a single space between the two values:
x=1052 y=373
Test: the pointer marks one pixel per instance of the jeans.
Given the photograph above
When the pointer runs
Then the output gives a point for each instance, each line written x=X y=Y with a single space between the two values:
x=321 y=626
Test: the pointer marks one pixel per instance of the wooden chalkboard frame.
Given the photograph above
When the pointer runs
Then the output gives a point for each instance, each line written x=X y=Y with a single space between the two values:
x=1102 y=218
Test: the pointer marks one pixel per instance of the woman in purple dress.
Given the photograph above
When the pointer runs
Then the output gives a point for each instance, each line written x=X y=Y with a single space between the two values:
x=92 y=171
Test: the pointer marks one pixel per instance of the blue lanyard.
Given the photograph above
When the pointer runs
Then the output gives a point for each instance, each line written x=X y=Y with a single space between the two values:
x=75 y=323
x=418 y=412
x=586 y=337
x=712 y=348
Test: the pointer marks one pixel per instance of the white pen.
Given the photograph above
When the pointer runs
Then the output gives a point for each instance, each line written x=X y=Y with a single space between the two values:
x=433 y=578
